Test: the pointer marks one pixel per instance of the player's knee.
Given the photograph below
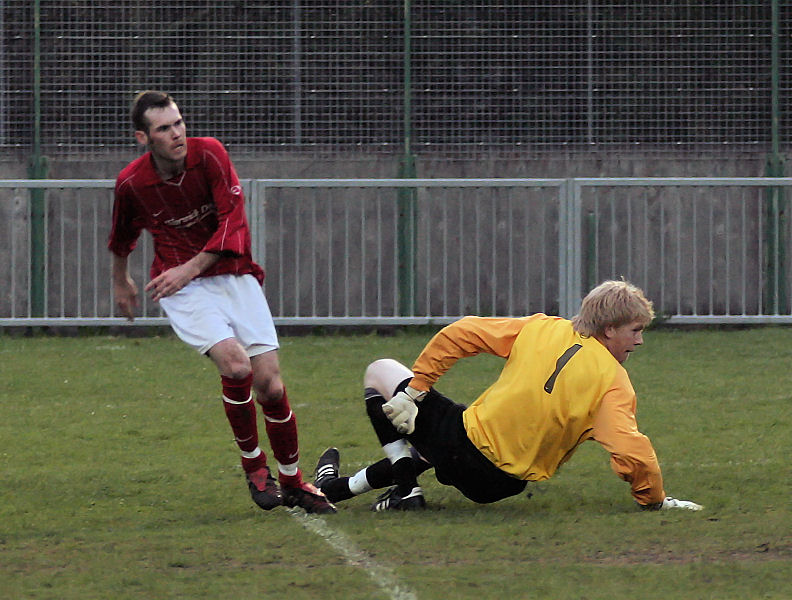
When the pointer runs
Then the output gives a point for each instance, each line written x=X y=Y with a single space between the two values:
x=238 y=370
x=384 y=375
x=231 y=359
x=374 y=371
x=269 y=393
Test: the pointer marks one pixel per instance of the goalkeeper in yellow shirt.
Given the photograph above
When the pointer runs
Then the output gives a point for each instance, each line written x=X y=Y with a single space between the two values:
x=563 y=383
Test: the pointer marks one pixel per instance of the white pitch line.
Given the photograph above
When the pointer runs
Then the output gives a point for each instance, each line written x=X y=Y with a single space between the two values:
x=381 y=575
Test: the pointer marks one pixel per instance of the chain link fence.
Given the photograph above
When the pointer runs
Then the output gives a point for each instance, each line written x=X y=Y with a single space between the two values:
x=335 y=77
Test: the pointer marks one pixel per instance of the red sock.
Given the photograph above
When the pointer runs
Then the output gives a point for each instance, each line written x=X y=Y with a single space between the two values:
x=237 y=390
x=281 y=425
x=290 y=481
x=241 y=413
x=254 y=464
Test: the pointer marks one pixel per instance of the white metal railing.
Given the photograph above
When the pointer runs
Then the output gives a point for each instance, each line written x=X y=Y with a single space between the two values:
x=706 y=250
x=392 y=251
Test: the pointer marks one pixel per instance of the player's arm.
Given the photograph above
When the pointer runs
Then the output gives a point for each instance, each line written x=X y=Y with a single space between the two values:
x=171 y=281
x=124 y=232
x=466 y=337
x=632 y=456
x=124 y=289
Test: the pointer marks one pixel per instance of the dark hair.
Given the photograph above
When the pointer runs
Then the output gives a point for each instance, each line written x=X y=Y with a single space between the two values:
x=145 y=100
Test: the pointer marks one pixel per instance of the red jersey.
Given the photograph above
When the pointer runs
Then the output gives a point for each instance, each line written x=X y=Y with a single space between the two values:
x=201 y=210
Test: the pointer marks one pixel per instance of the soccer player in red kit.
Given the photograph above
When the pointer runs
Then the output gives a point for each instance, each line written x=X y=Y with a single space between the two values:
x=186 y=193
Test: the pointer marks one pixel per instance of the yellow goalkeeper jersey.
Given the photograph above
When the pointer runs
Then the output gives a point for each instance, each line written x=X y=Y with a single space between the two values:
x=556 y=390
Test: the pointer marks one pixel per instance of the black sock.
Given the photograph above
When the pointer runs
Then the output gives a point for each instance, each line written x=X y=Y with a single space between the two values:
x=337 y=489
x=380 y=474
x=404 y=475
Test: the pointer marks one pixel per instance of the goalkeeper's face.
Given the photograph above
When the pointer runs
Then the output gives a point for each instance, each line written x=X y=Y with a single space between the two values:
x=622 y=340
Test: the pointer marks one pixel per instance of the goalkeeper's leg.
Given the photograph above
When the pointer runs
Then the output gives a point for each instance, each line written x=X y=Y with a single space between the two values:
x=381 y=381
x=376 y=476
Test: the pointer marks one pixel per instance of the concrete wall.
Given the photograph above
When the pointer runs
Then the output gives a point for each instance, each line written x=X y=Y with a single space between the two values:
x=375 y=166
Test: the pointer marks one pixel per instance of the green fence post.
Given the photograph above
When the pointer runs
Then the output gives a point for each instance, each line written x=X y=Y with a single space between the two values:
x=591 y=250
x=37 y=170
x=775 y=289
x=407 y=196
x=406 y=240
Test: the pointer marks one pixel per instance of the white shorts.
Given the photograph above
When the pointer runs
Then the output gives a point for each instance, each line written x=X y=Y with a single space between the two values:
x=209 y=310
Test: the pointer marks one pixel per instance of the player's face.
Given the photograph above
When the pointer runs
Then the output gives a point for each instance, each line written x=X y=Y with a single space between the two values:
x=622 y=340
x=167 y=134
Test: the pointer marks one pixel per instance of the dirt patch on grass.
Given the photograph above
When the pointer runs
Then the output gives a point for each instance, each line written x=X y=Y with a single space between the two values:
x=762 y=552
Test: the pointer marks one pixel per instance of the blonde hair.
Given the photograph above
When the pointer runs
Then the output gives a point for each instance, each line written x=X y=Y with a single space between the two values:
x=612 y=304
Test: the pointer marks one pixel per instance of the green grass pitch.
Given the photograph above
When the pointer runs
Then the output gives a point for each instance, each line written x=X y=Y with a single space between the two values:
x=119 y=479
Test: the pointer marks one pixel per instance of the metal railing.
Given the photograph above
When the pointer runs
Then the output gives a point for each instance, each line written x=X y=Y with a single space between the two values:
x=395 y=251
x=706 y=250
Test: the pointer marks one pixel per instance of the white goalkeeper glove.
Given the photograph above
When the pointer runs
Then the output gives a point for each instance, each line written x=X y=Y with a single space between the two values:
x=401 y=410
x=670 y=503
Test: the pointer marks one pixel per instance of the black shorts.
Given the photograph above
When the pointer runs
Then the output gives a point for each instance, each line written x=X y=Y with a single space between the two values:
x=441 y=439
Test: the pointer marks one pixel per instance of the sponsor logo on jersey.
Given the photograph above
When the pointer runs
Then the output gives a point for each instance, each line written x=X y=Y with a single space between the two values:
x=192 y=217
